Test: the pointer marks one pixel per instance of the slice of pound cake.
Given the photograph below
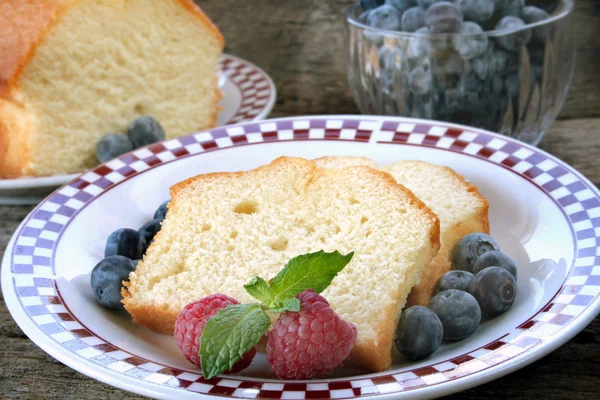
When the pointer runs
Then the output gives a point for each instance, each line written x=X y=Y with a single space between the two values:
x=458 y=204
x=223 y=229
x=72 y=71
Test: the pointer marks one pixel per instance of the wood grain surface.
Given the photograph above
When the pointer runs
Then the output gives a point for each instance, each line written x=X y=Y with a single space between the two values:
x=300 y=44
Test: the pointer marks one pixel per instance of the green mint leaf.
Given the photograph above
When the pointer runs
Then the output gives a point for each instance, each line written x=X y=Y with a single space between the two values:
x=259 y=289
x=308 y=271
x=230 y=333
x=290 y=304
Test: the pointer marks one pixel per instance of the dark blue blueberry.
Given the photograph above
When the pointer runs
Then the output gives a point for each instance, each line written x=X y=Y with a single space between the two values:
x=531 y=15
x=370 y=4
x=112 y=145
x=482 y=66
x=385 y=17
x=513 y=41
x=161 y=211
x=471 y=42
x=547 y=5
x=443 y=18
x=470 y=247
x=425 y=4
x=495 y=289
x=458 y=311
x=495 y=259
x=420 y=333
x=476 y=10
x=150 y=229
x=510 y=7
x=421 y=81
x=144 y=131
x=125 y=242
x=107 y=277
x=459 y=280
x=135 y=263
x=413 y=19
x=401 y=5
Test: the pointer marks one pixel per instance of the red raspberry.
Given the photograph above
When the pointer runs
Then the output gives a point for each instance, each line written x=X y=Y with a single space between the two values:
x=310 y=342
x=190 y=324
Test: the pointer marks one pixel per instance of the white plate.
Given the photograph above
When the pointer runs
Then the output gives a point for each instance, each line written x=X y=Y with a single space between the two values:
x=544 y=214
x=248 y=95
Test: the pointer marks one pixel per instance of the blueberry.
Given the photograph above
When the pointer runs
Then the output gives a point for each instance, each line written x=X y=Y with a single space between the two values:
x=425 y=4
x=144 y=131
x=513 y=41
x=413 y=19
x=531 y=15
x=420 y=333
x=495 y=289
x=495 y=259
x=500 y=62
x=364 y=17
x=150 y=229
x=510 y=7
x=476 y=10
x=443 y=18
x=421 y=81
x=161 y=211
x=471 y=42
x=419 y=47
x=135 y=263
x=107 y=277
x=370 y=4
x=125 y=242
x=547 y=5
x=458 y=311
x=470 y=247
x=112 y=145
x=385 y=17
x=459 y=280
x=401 y=5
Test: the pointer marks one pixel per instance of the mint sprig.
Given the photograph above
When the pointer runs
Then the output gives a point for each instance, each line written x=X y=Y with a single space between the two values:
x=235 y=329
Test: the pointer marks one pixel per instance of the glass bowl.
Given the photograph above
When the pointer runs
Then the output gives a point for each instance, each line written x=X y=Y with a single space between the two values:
x=517 y=93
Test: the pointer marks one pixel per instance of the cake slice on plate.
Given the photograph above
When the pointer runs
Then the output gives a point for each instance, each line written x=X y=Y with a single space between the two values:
x=73 y=71
x=223 y=229
x=458 y=204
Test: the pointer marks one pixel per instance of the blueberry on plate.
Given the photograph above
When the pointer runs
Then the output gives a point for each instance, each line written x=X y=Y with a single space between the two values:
x=413 y=19
x=127 y=243
x=385 y=17
x=107 y=277
x=112 y=145
x=370 y=4
x=477 y=10
x=470 y=247
x=495 y=289
x=458 y=311
x=150 y=229
x=144 y=131
x=161 y=211
x=459 y=280
x=401 y=5
x=420 y=333
x=471 y=42
x=513 y=41
x=443 y=17
x=495 y=258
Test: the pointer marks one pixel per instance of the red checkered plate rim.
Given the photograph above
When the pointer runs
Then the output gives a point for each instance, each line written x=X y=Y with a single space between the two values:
x=257 y=97
x=33 y=298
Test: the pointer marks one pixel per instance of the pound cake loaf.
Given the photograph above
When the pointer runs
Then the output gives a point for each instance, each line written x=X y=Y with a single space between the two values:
x=458 y=204
x=223 y=229
x=72 y=71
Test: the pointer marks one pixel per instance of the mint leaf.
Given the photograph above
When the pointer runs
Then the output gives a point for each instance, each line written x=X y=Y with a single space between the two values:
x=230 y=333
x=259 y=289
x=309 y=271
x=290 y=304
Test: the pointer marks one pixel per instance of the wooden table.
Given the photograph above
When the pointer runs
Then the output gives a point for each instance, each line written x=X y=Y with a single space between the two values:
x=300 y=44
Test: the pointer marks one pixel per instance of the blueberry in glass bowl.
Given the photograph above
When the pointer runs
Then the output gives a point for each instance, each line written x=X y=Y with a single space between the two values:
x=500 y=65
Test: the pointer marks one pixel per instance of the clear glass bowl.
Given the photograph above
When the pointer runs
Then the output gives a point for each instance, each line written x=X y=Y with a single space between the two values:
x=518 y=93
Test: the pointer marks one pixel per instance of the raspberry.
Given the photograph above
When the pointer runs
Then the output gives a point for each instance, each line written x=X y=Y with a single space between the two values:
x=190 y=324
x=310 y=342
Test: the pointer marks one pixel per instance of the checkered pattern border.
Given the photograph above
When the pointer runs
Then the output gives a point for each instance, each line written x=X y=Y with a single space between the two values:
x=33 y=271
x=253 y=85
